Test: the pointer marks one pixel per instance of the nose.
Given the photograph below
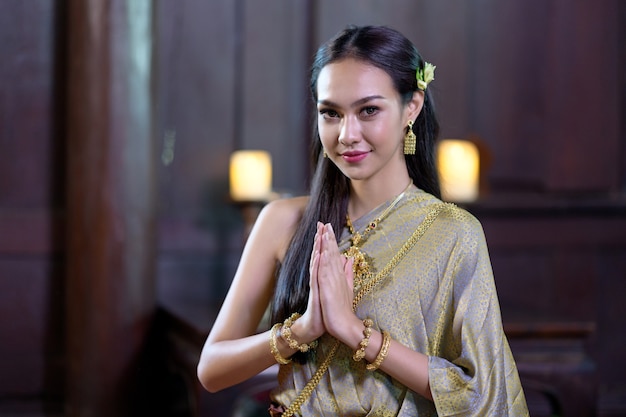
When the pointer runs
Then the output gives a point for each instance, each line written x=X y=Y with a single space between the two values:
x=350 y=132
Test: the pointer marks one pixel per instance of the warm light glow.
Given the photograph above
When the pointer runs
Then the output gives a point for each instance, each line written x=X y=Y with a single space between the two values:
x=250 y=175
x=458 y=163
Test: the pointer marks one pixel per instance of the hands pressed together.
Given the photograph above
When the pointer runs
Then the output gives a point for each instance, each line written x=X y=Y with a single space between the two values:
x=329 y=308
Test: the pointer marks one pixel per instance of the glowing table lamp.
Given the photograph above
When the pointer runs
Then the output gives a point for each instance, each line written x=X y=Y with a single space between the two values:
x=250 y=183
x=458 y=163
x=250 y=175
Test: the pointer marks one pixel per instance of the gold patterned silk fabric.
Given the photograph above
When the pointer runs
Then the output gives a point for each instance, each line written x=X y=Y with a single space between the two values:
x=439 y=300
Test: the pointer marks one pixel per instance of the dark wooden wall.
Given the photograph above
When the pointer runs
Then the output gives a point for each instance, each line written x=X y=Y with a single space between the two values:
x=540 y=84
x=32 y=198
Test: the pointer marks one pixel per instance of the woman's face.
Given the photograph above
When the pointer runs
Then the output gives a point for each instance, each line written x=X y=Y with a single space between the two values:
x=362 y=121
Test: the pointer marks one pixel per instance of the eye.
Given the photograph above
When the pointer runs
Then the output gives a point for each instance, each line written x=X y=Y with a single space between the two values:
x=369 y=111
x=328 y=113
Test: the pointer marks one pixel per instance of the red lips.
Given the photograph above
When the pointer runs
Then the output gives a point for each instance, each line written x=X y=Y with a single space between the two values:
x=354 y=156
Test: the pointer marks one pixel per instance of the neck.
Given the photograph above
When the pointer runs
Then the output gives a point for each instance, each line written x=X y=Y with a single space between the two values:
x=366 y=196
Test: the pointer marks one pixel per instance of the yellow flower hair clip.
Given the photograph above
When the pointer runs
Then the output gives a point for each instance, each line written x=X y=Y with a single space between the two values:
x=425 y=76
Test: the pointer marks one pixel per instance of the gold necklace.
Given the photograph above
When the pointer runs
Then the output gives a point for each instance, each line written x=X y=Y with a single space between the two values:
x=361 y=266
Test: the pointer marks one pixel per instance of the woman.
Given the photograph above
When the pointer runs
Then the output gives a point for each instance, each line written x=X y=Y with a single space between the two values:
x=397 y=313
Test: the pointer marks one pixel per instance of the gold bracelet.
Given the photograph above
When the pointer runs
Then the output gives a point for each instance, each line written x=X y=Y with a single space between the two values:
x=367 y=332
x=274 y=349
x=384 y=349
x=286 y=334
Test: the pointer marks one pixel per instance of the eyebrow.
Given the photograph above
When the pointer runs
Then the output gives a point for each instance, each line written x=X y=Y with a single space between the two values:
x=357 y=103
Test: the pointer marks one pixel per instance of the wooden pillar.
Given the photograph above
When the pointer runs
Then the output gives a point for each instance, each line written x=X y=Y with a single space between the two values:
x=110 y=210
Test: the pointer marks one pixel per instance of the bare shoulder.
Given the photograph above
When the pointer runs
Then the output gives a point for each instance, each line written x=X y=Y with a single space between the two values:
x=254 y=279
x=279 y=219
x=285 y=210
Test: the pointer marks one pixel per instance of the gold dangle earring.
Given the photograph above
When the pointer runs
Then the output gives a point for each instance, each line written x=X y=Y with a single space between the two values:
x=409 y=140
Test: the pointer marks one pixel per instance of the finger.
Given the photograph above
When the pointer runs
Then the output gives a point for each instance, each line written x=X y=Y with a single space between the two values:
x=331 y=239
x=349 y=271
x=316 y=242
x=315 y=261
x=325 y=252
x=314 y=291
x=315 y=250
x=331 y=248
x=330 y=230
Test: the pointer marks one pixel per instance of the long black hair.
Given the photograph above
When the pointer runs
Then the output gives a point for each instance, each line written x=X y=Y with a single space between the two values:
x=392 y=52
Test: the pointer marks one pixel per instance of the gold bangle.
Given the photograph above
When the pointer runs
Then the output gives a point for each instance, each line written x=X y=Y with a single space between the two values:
x=274 y=349
x=286 y=334
x=384 y=349
x=367 y=332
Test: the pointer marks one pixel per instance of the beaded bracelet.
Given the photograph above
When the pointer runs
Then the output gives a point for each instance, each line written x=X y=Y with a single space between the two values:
x=286 y=334
x=384 y=349
x=274 y=349
x=367 y=332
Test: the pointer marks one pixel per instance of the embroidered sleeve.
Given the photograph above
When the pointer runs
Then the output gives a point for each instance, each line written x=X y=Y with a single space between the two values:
x=477 y=376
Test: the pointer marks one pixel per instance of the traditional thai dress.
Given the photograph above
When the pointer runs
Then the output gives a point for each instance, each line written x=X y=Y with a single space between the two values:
x=438 y=298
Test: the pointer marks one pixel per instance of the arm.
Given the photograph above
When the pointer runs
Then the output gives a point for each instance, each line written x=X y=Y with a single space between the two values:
x=473 y=373
x=233 y=352
x=405 y=365
x=335 y=288
x=478 y=377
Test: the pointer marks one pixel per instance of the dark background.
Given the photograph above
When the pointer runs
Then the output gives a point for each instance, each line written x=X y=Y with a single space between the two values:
x=117 y=237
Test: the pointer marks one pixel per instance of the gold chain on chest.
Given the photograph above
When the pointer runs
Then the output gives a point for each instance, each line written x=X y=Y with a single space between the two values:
x=361 y=262
x=417 y=234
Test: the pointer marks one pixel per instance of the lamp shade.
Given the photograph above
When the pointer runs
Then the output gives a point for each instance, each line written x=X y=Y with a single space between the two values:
x=250 y=175
x=458 y=163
